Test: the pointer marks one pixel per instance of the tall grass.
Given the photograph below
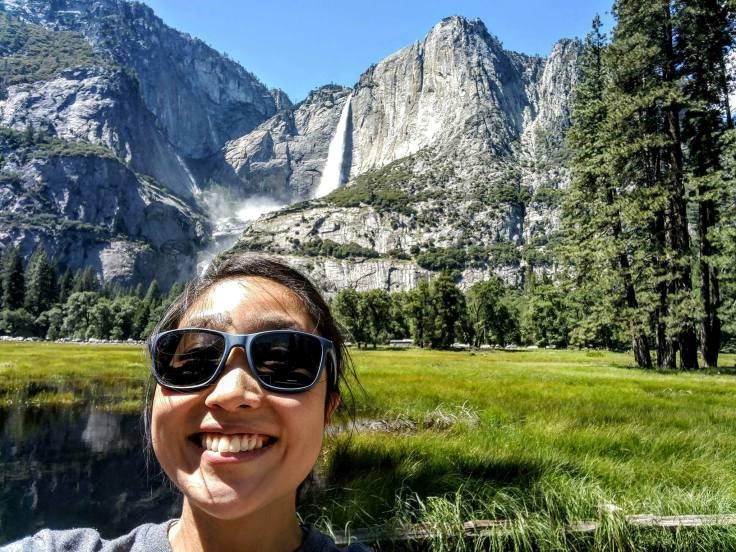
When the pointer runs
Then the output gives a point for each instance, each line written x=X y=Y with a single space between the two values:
x=542 y=440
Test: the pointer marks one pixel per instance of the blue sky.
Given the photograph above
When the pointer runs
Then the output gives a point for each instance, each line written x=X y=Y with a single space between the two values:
x=298 y=45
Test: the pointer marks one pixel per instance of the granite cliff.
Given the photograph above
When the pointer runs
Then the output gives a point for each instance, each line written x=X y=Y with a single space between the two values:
x=199 y=97
x=454 y=159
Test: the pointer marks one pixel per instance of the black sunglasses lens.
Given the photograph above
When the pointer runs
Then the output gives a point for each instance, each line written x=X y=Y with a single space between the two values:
x=186 y=358
x=286 y=360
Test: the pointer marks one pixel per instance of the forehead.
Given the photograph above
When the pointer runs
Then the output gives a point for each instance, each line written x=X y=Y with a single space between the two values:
x=247 y=305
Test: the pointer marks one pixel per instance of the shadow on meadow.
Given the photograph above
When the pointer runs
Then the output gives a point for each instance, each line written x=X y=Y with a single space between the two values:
x=365 y=485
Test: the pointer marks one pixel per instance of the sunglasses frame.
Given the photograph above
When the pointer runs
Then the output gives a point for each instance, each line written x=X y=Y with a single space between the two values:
x=244 y=341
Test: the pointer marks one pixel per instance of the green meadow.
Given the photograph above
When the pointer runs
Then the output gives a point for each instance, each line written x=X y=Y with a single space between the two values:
x=541 y=439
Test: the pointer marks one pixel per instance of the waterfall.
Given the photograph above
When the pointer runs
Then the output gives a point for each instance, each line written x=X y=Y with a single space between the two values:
x=332 y=174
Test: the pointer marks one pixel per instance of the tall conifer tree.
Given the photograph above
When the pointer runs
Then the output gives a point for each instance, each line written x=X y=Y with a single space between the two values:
x=40 y=283
x=645 y=154
x=596 y=244
x=13 y=279
x=706 y=35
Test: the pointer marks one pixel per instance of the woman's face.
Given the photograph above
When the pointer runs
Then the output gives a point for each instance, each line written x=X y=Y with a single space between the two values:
x=289 y=426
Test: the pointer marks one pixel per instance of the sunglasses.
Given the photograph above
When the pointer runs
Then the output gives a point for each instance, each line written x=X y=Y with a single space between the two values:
x=284 y=361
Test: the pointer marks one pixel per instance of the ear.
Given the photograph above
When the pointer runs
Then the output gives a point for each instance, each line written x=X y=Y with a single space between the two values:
x=332 y=403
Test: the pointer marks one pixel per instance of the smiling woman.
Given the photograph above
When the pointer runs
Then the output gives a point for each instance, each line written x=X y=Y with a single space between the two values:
x=250 y=367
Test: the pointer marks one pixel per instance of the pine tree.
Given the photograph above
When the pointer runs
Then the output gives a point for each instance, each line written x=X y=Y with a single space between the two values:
x=143 y=312
x=2 y=287
x=706 y=34
x=40 y=283
x=678 y=235
x=85 y=280
x=645 y=157
x=13 y=279
x=66 y=284
x=596 y=245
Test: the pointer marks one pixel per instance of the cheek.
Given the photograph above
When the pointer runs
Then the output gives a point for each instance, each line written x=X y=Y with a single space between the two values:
x=167 y=416
x=305 y=419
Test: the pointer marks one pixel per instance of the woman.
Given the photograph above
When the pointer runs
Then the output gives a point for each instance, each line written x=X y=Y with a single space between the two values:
x=249 y=364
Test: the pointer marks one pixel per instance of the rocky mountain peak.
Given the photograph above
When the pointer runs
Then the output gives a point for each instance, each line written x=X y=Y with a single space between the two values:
x=281 y=99
x=459 y=28
x=449 y=141
x=456 y=89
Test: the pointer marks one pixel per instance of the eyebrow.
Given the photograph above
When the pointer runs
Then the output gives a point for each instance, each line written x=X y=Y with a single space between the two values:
x=271 y=321
x=219 y=321
x=259 y=323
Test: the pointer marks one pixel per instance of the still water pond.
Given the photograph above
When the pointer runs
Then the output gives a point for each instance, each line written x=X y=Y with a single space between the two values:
x=77 y=467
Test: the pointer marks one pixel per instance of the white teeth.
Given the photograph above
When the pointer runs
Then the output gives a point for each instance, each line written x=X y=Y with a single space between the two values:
x=217 y=442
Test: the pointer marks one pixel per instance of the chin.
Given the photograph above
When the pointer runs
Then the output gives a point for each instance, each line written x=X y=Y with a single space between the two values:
x=229 y=500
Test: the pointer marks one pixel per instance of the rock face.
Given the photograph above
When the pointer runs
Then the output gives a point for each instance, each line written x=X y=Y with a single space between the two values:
x=155 y=99
x=200 y=98
x=92 y=211
x=285 y=155
x=457 y=87
x=100 y=106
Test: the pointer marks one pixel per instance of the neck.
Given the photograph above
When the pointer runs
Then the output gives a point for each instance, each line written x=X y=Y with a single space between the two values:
x=272 y=528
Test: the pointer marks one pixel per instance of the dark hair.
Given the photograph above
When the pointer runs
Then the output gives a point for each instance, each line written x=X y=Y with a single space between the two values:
x=240 y=265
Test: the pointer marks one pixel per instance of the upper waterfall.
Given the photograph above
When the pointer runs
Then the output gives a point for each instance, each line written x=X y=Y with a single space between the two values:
x=333 y=172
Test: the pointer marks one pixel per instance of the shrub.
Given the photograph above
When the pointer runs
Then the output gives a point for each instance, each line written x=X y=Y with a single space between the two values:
x=18 y=322
x=329 y=248
x=442 y=258
x=378 y=189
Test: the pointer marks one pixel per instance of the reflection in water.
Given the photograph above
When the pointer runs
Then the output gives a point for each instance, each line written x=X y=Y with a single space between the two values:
x=68 y=467
x=102 y=431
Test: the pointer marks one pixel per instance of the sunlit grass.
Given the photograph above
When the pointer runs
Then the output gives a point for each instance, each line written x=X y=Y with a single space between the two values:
x=47 y=374
x=541 y=439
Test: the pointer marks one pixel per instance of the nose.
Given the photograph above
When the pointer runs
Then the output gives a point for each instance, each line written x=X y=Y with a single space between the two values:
x=236 y=387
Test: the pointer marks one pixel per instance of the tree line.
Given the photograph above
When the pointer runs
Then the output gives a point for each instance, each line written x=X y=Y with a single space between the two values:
x=36 y=300
x=648 y=227
x=436 y=314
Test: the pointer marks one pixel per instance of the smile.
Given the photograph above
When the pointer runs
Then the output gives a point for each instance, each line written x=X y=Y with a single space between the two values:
x=244 y=442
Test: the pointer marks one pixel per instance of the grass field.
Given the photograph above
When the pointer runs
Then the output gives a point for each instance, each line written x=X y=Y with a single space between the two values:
x=539 y=438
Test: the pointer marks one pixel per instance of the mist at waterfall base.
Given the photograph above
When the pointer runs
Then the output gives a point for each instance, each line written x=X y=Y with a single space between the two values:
x=230 y=214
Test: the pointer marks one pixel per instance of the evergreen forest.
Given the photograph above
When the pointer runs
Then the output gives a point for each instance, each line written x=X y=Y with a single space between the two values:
x=37 y=301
